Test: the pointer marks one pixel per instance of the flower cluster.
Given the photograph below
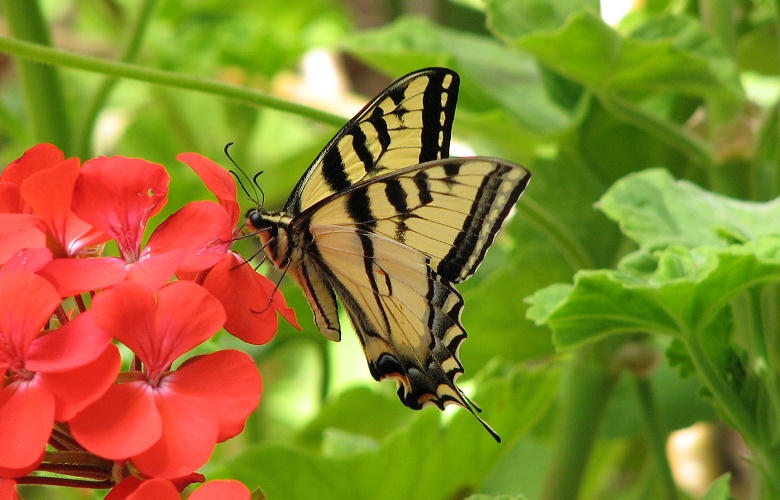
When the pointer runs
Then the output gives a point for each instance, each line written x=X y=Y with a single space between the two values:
x=69 y=404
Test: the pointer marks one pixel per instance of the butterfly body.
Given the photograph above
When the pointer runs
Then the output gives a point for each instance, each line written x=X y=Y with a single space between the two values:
x=386 y=222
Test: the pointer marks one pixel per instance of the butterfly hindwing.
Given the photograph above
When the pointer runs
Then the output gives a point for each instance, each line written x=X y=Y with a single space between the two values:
x=407 y=317
x=409 y=123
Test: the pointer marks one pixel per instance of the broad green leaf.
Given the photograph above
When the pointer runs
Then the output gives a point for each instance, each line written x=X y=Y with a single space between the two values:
x=657 y=211
x=426 y=459
x=688 y=35
x=511 y=19
x=687 y=293
x=588 y=51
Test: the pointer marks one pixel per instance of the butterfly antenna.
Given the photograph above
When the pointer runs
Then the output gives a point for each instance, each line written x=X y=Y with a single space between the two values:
x=252 y=196
x=257 y=185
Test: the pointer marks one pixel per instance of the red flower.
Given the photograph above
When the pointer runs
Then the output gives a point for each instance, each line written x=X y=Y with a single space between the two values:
x=167 y=421
x=36 y=195
x=245 y=294
x=41 y=183
x=119 y=195
x=48 y=375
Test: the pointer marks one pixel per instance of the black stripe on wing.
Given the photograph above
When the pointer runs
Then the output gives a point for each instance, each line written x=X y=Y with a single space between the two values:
x=482 y=224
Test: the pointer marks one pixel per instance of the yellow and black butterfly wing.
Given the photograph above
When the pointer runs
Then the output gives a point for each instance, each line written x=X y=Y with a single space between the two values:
x=450 y=210
x=410 y=122
x=392 y=246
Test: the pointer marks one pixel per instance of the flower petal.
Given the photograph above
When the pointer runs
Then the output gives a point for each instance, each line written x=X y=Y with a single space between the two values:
x=159 y=489
x=125 y=487
x=20 y=231
x=154 y=270
x=122 y=423
x=201 y=228
x=74 y=344
x=228 y=380
x=26 y=419
x=8 y=488
x=226 y=488
x=76 y=276
x=244 y=294
x=29 y=259
x=10 y=199
x=6 y=472
x=187 y=316
x=35 y=159
x=76 y=389
x=217 y=180
x=188 y=438
x=119 y=195
x=28 y=302
x=128 y=311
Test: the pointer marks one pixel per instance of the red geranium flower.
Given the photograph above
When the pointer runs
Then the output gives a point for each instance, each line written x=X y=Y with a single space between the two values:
x=36 y=193
x=249 y=298
x=47 y=376
x=119 y=195
x=167 y=421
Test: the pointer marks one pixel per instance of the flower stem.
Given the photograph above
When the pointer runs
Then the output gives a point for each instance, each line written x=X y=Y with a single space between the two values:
x=655 y=436
x=589 y=385
x=57 y=57
x=761 y=361
x=40 y=82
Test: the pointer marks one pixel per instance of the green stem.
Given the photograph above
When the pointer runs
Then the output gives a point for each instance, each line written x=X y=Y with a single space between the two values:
x=717 y=19
x=129 y=53
x=48 y=55
x=664 y=130
x=761 y=362
x=589 y=384
x=655 y=436
x=41 y=84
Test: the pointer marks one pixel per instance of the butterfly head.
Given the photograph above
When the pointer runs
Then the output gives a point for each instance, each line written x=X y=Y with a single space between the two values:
x=273 y=229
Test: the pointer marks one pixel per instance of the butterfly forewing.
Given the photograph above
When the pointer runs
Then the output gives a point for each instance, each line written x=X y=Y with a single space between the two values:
x=450 y=210
x=409 y=123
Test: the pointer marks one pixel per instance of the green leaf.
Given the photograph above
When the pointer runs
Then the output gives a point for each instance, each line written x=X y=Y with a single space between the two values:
x=511 y=19
x=683 y=297
x=423 y=460
x=589 y=51
x=719 y=489
x=657 y=211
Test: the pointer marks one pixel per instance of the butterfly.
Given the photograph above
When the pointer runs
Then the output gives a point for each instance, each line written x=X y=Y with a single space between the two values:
x=384 y=220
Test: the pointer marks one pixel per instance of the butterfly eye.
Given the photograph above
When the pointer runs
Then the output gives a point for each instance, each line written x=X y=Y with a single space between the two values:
x=255 y=218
